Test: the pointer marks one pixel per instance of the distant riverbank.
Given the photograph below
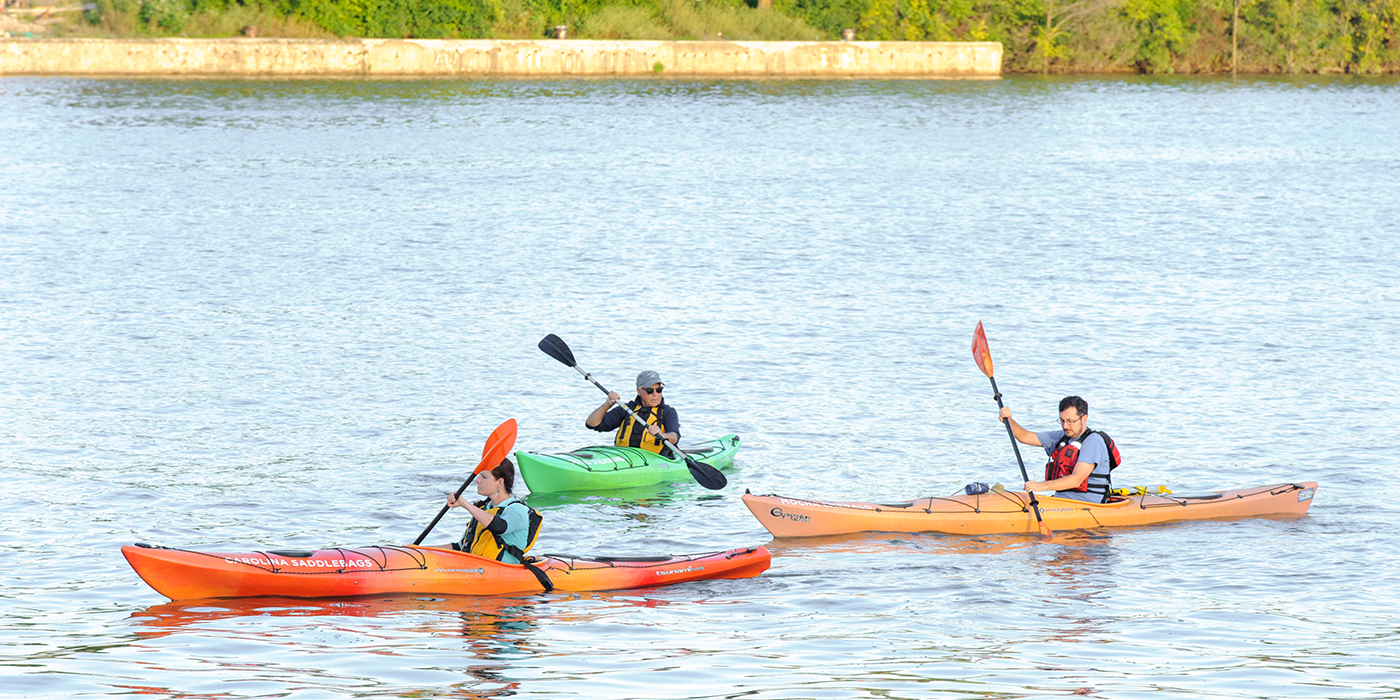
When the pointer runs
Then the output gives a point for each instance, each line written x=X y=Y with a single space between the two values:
x=1055 y=36
x=427 y=57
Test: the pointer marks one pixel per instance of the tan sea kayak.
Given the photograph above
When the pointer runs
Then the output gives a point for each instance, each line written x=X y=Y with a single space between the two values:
x=1009 y=511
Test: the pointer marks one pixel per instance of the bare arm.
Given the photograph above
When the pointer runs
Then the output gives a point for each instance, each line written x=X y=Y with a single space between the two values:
x=1064 y=483
x=481 y=516
x=1023 y=436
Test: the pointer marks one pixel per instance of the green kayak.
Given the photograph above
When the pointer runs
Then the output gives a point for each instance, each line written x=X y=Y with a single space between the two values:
x=609 y=467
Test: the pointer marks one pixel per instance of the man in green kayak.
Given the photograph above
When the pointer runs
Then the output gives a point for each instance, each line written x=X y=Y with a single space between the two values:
x=661 y=419
x=1080 y=459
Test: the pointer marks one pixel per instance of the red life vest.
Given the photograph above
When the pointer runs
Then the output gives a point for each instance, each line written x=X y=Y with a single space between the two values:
x=1066 y=455
x=1063 y=460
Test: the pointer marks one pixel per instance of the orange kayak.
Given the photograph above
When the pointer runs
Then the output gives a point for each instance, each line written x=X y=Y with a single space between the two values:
x=332 y=573
x=1010 y=512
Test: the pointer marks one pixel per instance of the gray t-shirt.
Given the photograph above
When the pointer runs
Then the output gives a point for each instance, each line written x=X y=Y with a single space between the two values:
x=1091 y=450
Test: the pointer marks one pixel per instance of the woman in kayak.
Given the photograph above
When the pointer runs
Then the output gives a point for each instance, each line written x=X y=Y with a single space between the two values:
x=503 y=527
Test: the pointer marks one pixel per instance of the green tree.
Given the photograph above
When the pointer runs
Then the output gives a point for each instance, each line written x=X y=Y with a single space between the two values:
x=1374 y=35
x=1163 y=30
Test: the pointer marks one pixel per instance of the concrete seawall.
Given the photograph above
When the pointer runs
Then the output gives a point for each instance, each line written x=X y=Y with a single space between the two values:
x=428 y=57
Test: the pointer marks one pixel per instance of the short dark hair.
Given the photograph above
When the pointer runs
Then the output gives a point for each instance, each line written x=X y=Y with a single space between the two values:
x=1080 y=405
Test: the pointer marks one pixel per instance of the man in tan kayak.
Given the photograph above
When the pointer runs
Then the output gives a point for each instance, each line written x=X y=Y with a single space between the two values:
x=661 y=419
x=1080 y=459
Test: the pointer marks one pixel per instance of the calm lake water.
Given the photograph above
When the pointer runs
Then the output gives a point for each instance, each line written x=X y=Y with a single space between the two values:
x=243 y=314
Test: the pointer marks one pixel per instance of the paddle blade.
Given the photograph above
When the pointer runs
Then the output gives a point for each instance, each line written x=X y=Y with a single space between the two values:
x=705 y=475
x=555 y=347
x=497 y=446
x=1035 y=506
x=980 y=352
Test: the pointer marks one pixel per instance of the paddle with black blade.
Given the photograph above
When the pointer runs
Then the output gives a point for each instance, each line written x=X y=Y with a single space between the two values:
x=496 y=448
x=983 y=355
x=704 y=474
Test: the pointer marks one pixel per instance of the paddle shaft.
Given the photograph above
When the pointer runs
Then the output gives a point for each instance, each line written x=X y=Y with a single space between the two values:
x=1035 y=504
x=1011 y=434
x=444 y=510
x=630 y=412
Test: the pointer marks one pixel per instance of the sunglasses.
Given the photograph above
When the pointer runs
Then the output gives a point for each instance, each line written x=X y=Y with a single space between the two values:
x=650 y=390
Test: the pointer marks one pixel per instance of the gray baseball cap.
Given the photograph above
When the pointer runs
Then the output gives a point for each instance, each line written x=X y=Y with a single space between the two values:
x=648 y=378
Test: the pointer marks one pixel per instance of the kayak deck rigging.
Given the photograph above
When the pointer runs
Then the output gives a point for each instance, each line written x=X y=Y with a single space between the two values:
x=1022 y=503
x=586 y=458
x=1010 y=511
x=615 y=467
x=278 y=561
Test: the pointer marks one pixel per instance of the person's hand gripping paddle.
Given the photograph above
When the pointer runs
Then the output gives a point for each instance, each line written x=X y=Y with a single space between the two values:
x=496 y=448
x=704 y=474
x=983 y=355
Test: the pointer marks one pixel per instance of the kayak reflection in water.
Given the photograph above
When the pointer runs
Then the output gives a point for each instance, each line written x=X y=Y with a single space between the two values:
x=661 y=419
x=503 y=527
x=1080 y=458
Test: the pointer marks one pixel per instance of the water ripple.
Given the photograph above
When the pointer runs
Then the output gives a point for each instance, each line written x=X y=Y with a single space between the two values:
x=285 y=314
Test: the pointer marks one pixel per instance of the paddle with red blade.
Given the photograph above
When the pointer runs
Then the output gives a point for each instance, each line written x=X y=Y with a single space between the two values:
x=983 y=355
x=496 y=448
x=704 y=474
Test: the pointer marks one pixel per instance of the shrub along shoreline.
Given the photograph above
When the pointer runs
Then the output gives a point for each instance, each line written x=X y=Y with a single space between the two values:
x=1052 y=36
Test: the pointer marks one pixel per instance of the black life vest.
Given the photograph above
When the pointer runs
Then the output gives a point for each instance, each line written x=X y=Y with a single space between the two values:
x=630 y=434
x=1066 y=455
x=482 y=542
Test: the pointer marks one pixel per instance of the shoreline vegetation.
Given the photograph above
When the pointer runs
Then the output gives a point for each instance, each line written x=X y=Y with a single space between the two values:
x=1046 y=36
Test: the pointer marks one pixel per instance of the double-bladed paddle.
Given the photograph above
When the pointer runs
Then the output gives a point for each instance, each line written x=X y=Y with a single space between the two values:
x=983 y=355
x=496 y=448
x=704 y=474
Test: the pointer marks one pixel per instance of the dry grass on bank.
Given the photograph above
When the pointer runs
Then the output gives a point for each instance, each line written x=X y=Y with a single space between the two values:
x=673 y=20
x=119 y=19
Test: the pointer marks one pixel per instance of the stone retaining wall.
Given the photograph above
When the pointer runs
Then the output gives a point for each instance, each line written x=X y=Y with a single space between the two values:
x=428 y=57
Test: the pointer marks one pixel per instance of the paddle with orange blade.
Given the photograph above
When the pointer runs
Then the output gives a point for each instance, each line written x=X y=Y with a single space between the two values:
x=983 y=355
x=496 y=448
